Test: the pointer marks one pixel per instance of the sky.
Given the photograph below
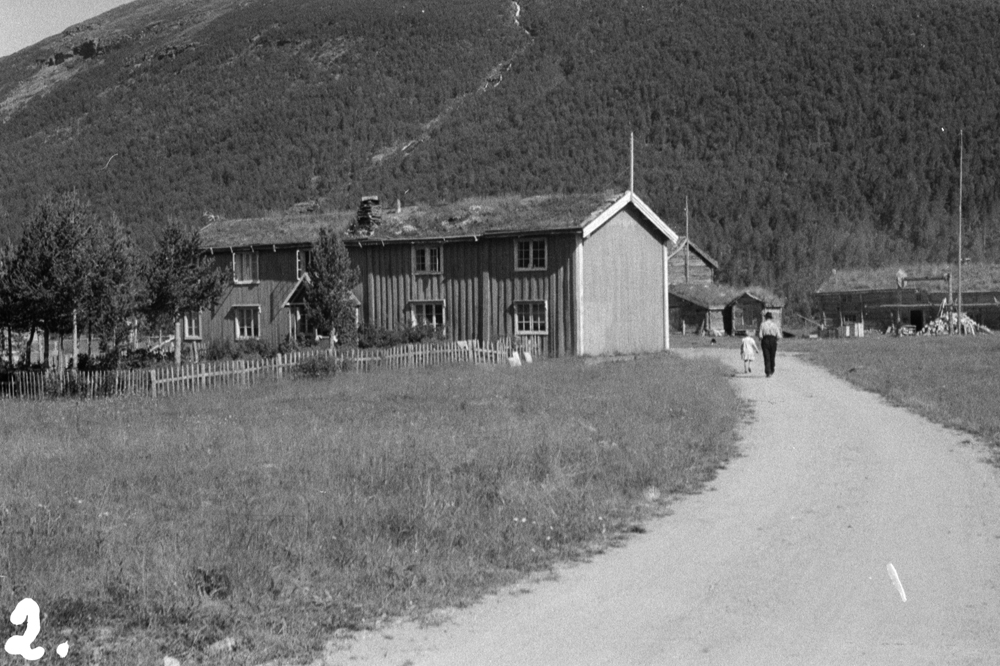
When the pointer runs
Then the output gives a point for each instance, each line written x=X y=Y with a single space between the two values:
x=25 y=22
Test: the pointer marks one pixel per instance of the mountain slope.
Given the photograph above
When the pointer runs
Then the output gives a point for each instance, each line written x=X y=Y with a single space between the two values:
x=805 y=135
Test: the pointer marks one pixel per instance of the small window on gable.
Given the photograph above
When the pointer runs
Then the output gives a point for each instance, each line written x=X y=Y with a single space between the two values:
x=426 y=258
x=427 y=313
x=530 y=254
x=247 y=322
x=246 y=267
x=531 y=318
x=303 y=262
x=192 y=326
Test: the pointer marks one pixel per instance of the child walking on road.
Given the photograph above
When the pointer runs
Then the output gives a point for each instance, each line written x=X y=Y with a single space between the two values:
x=748 y=351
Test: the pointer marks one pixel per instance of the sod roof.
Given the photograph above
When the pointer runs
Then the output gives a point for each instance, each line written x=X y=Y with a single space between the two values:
x=469 y=217
x=975 y=277
x=718 y=296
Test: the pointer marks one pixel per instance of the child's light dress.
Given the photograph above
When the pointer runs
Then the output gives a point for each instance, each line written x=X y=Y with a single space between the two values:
x=748 y=348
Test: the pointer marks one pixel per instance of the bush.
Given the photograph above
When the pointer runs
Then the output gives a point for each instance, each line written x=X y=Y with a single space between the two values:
x=228 y=350
x=370 y=336
x=318 y=367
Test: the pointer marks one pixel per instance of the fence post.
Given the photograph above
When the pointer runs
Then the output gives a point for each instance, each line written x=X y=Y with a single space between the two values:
x=152 y=383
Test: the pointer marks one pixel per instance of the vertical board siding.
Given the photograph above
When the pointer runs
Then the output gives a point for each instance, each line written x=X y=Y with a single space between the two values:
x=624 y=287
x=277 y=280
x=478 y=285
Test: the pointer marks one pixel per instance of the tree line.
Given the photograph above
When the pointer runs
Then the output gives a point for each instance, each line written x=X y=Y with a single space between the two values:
x=74 y=271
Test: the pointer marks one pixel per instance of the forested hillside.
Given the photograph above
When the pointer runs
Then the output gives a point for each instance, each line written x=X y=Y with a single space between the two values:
x=806 y=135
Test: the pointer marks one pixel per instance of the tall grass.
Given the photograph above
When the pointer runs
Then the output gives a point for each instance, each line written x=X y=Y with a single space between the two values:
x=953 y=380
x=279 y=513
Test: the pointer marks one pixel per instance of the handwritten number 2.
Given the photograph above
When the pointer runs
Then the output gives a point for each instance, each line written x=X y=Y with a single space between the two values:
x=26 y=609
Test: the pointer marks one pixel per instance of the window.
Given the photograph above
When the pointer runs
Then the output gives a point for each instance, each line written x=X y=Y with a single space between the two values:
x=427 y=259
x=303 y=261
x=247 y=322
x=192 y=326
x=427 y=313
x=530 y=255
x=245 y=267
x=531 y=317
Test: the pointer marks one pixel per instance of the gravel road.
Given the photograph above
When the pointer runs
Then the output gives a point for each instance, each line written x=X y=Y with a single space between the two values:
x=785 y=559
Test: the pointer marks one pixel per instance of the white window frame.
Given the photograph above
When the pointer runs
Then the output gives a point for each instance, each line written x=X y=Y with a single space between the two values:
x=526 y=323
x=421 y=306
x=422 y=254
x=192 y=325
x=534 y=250
x=254 y=324
x=243 y=263
x=303 y=259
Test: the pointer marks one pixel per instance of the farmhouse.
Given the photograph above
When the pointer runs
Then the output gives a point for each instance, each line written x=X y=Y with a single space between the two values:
x=588 y=274
x=910 y=295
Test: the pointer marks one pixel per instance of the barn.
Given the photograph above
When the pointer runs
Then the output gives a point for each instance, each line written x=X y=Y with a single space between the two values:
x=585 y=274
x=908 y=295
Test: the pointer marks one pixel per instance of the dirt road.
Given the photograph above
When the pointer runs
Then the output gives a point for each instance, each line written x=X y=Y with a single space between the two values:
x=784 y=560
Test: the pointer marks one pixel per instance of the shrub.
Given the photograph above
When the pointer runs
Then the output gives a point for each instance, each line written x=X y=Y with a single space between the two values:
x=371 y=336
x=318 y=366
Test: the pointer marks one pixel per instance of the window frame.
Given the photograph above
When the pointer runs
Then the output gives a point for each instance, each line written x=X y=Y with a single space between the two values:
x=303 y=260
x=192 y=332
x=415 y=321
x=533 y=245
x=531 y=319
x=419 y=250
x=255 y=324
x=239 y=268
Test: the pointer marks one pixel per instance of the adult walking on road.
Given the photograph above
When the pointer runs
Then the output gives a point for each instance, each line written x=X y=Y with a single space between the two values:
x=769 y=334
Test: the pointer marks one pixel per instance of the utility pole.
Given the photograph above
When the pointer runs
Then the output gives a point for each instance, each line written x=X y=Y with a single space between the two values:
x=961 y=160
x=687 y=241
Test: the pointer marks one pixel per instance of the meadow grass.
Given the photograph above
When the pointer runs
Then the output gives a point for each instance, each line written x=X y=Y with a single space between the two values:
x=952 y=380
x=277 y=514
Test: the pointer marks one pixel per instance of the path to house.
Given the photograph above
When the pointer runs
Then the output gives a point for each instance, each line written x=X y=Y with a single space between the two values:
x=784 y=560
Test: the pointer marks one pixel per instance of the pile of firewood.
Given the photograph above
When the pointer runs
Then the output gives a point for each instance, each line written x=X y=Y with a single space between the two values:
x=948 y=322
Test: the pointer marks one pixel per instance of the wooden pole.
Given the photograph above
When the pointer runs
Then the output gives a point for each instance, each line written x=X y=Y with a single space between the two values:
x=961 y=160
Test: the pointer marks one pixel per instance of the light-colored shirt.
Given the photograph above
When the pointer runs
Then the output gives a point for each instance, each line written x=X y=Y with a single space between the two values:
x=769 y=327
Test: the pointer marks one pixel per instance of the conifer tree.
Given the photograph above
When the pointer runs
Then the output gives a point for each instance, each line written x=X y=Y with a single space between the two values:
x=179 y=278
x=331 y=277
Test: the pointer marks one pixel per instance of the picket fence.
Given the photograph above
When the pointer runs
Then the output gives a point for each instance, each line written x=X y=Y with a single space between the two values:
x=175 y=379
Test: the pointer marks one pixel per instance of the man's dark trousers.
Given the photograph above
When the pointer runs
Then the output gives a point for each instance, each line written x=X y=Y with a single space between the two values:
x=769 y=345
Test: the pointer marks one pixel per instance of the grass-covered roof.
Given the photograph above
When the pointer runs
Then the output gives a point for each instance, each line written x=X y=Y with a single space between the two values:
x=717 y=296
x=468 y=217
x=975 y=277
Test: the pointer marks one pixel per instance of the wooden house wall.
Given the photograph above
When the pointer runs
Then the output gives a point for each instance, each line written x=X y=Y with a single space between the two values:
x=690 y=318
x=478 y=285
x=276 y=272
x=698 y=272
x=747 y=313
x=623 y=291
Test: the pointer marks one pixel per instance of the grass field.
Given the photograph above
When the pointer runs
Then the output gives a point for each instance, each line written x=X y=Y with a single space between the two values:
x=277 y=514
x=953 y=380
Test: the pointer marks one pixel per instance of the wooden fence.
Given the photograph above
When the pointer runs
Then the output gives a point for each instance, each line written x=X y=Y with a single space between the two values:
x=175 y=379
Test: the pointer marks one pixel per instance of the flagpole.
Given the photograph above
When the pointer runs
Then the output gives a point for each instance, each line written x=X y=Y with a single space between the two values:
x=631 y=166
